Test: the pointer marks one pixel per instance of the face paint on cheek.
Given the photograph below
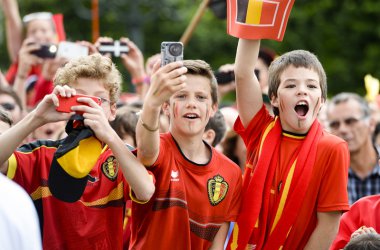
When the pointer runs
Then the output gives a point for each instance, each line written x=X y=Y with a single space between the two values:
x=315 y=108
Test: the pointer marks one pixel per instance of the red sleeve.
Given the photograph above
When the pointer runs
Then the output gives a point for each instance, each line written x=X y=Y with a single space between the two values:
x=29 y=165
x=252 y=134
x=335 y=178
x=11 y=73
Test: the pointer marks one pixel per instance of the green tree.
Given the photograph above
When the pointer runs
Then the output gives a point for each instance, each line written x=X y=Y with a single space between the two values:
x=345 y=35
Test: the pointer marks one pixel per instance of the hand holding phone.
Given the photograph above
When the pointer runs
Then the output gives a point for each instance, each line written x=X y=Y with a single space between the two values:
x=171 y=52
x=70 y=50
x=46 y=51
x=65 y=103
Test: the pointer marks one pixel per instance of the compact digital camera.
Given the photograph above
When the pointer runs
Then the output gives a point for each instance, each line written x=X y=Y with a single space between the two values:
x=171 y=52
x=46 y=51
x=115 y=48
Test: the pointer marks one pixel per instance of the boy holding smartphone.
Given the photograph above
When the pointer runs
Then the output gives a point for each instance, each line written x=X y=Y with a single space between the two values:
x=70 y=218
x=197 y=188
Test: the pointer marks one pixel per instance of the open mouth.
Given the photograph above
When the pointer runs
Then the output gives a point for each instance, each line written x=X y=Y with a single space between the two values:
x=301 y=108
x=49 y=132
x=191 y=116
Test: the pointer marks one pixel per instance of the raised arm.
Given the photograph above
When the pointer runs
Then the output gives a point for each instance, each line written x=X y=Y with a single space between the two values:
x=13 y=27
x=248 y=91
x=44 y=113
x=165 y=81
x=134 y=63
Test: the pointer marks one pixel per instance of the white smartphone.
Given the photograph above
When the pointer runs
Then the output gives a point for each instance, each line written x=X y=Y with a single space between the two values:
x=71 y=50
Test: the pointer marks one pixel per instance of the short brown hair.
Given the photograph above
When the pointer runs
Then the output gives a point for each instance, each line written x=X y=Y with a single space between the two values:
x=199 y=67
x=94 y=66
x=296 y=58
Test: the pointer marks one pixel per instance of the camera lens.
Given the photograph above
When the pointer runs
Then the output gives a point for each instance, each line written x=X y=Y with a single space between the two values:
x=175 y=49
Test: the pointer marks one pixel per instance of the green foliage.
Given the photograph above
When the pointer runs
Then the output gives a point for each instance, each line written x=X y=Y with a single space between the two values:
x=345 y=35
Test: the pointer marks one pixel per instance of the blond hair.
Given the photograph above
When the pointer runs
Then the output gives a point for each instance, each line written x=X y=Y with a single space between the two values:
x=94 y=66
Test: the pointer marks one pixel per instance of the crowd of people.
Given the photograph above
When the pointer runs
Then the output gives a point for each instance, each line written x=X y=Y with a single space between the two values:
x=169 y=166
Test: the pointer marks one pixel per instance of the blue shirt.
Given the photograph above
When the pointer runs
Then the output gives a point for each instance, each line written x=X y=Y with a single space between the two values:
x=358 y=188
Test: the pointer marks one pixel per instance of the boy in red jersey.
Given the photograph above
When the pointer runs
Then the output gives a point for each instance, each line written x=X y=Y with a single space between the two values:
x=94 y=220
x=295 y=183
x=197 y=188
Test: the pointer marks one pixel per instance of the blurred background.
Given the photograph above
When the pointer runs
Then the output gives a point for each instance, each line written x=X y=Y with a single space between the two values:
x=345 y=35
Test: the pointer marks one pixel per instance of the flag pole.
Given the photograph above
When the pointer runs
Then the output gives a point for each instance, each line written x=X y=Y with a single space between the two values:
x=194 y=22
x=95 y=20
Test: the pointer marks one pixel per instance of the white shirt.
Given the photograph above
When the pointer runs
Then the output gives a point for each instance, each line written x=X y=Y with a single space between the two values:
x=19 y=226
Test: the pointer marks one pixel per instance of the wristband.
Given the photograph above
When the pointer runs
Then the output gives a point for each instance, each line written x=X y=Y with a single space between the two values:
x=149 y=128
x=140 y=80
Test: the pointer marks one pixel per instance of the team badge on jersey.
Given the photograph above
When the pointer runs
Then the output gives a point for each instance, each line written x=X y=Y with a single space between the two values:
x=110 y=168
x=217 y=189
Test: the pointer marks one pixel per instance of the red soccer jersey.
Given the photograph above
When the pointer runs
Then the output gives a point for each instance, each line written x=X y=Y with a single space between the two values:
x=190 y=203
x=95 y=221
x=330 y=172
x=364 y=212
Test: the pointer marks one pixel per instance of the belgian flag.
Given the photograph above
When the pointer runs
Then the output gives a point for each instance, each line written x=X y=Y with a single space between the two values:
x=257 y=19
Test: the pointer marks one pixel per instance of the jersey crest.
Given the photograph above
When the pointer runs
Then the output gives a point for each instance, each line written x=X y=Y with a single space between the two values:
x=217 y=189
x=110 y=168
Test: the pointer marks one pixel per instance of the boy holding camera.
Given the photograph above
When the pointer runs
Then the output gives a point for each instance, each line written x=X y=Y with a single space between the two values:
x=80 y=200
x=197 y=188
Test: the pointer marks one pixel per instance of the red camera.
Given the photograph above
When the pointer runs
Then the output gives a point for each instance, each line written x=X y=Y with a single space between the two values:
x=65 y=103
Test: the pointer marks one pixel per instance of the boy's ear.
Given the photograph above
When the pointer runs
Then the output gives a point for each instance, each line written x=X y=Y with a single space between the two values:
x=113 y=109
x=214 y=108
x=209 y=136
x=274 y=101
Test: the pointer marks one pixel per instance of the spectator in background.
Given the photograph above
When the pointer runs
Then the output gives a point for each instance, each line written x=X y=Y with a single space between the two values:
x=125 y=124
x=215 y=129
x=349 y=117
x=28 y=71
x=11 y=103
x=232 y=144
x=266 y=56
x=49 y=131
